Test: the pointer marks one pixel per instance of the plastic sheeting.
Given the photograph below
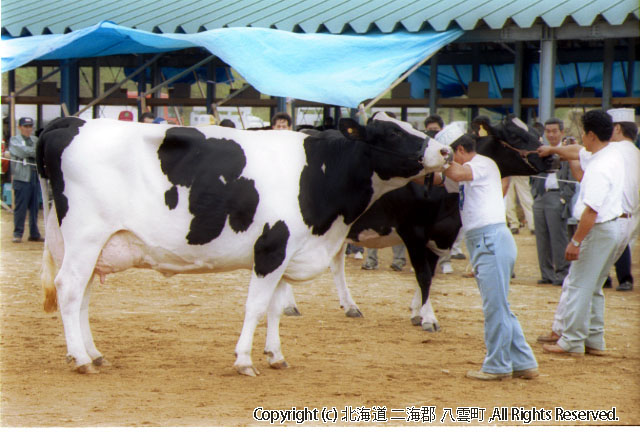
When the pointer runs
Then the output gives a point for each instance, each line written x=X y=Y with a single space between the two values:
x=341 y=70
x=571 y=80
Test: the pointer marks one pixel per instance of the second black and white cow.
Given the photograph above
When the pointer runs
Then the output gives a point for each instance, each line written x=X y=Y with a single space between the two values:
x=199 y=200
x=426 y=219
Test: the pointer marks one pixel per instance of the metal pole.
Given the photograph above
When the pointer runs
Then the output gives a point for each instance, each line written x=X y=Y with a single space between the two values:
x=433 y=86
x=546 y=95
x=607 y=73
x=117 y=85
x=517 y=79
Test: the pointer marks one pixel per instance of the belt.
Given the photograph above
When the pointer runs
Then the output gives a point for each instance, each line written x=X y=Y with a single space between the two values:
x=625 y=215
x=551 y=189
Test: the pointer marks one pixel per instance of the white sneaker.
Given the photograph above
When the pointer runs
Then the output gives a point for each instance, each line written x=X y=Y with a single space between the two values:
x=447 y=268
x=358 y=255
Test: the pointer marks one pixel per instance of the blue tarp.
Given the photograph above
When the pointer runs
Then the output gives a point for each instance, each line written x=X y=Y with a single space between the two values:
x=341 y=70
x=570 y=79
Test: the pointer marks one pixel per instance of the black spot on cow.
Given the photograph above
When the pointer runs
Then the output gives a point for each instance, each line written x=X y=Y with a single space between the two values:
x=210 y=168
x=335 y=182
x=52 y=142
x=270 y=248
x=171 y=197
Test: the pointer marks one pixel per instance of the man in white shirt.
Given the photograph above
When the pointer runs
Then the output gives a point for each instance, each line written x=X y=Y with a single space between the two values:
x=493 y=254
x=593 y=248
x=625 y=131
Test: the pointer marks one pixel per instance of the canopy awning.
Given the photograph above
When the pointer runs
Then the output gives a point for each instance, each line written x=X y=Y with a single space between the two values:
x=341 y=70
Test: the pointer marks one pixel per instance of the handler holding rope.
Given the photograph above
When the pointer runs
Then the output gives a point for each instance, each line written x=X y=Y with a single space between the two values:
x=493 y=255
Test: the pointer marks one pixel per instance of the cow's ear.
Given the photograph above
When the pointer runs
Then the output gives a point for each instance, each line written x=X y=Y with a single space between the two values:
x=351 y=129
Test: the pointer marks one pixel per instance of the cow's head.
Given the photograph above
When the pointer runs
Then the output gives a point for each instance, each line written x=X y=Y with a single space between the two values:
x=396 y=148
x=512 y=145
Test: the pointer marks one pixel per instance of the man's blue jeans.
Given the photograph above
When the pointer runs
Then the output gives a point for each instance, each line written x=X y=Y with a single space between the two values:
x=493 y=255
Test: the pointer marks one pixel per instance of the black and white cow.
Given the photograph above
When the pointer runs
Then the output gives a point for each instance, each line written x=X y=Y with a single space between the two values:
x=207 y=199
x=427 y=219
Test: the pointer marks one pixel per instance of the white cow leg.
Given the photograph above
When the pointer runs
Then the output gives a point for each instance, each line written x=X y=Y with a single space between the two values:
x=289 y=302
x=71 y=283
x=258 y=300
x=273 y=348
x=337 y=269
x=429 y=320
x=416 y=305
x=96 y=357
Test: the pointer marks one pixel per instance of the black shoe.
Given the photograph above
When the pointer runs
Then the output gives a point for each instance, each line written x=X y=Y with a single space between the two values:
x=544 y=282
x=36 y=239
x=557 y=282
x=607 y=283
x=625 y=286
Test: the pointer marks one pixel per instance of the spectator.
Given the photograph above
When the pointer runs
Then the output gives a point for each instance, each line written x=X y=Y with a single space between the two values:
x=147 y=118
x=493 y=254
x=125 y=115
x=227 y=123
x=25 y=181
x=433 y=122
x=551 y=209
x=625 y=131
x=281 y=121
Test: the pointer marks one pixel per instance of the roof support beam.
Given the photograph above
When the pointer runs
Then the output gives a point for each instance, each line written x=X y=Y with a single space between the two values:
x=546 y=101
x=607 y=73
x=69 y=86
x=433 y=85
x=630 y=66
x=518 y=64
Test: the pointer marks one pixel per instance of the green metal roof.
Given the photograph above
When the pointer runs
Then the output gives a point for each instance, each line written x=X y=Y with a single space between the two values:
x=35 y=17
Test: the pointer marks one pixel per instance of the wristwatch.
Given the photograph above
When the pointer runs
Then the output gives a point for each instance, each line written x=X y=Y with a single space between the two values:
x=575 y=243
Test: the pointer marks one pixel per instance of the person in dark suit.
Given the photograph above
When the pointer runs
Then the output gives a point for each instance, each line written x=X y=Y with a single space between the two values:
x=552 y=193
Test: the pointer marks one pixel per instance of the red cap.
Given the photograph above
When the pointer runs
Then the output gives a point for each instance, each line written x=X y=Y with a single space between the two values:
x=125 y=115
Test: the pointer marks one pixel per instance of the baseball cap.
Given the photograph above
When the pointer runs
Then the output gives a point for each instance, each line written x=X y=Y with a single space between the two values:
x=125 y=115
x=25 y=121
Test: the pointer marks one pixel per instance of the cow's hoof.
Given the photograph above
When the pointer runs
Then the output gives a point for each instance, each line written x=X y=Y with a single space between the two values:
x=282 y=364
x=89 y=368
x=416 y=320
x=101 y=361
x=292 y=311
x=354 y=312
x=431 y=327
x=249 y=371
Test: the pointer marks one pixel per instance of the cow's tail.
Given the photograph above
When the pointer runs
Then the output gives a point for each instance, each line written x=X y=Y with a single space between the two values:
x=48 y=270
x=47 y=276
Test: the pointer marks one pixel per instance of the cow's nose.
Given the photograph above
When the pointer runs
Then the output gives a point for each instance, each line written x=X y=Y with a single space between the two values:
x=447 y=154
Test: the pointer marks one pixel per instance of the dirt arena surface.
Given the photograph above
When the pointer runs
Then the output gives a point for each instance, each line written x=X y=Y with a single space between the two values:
x=171 y=347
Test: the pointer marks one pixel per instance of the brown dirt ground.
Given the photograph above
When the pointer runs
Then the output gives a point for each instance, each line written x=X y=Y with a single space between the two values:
x=171 y=345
